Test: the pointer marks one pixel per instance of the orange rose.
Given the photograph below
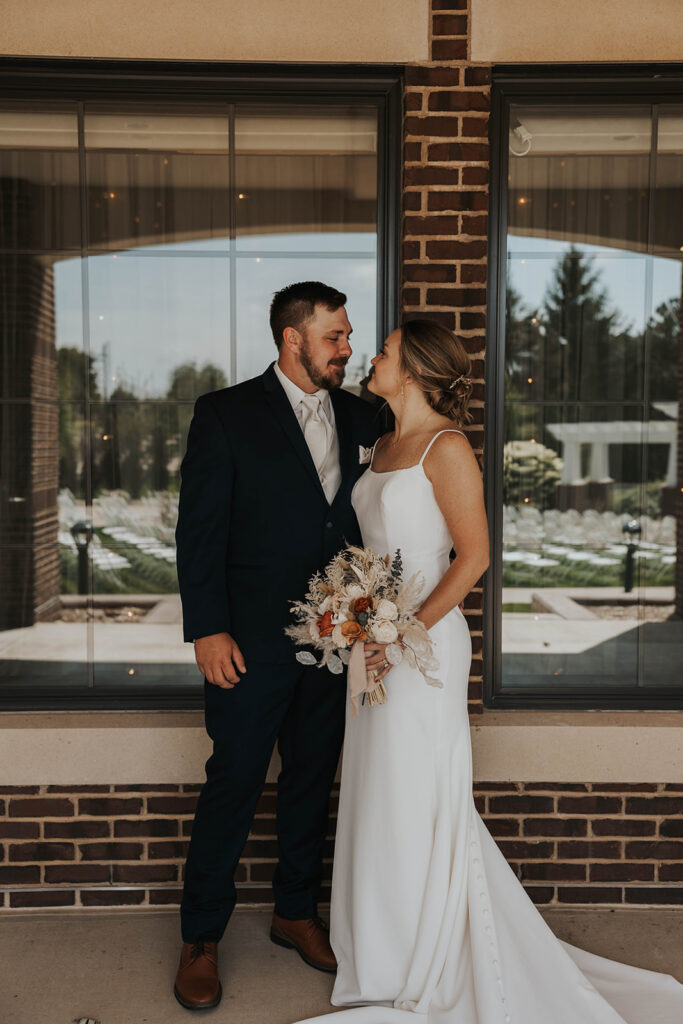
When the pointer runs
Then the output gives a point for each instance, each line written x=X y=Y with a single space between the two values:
x=362 y=604
x=325 y=625
x=353 y=630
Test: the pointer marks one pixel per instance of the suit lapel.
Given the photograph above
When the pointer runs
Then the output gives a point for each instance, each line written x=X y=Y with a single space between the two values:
x=286 y=417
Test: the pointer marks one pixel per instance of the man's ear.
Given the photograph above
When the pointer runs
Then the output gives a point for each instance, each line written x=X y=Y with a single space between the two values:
x=292 y=339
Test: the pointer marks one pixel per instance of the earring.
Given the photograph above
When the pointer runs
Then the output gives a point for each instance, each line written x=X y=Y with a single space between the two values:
x=403 y=393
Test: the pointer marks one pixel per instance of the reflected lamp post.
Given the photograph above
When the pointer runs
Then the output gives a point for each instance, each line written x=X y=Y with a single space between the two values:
x=82 y=532
x=632 y=529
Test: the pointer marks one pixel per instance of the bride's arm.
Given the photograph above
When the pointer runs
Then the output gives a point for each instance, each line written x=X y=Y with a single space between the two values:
x=452 y=467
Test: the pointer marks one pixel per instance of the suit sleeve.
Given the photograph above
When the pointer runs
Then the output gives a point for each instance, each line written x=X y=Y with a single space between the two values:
x=206 y=476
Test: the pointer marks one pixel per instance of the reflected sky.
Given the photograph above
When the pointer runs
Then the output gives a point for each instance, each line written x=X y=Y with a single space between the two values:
x=153 y=309
x=622 y=275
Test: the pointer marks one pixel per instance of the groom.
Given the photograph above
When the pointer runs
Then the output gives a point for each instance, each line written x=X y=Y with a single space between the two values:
x=265 y=501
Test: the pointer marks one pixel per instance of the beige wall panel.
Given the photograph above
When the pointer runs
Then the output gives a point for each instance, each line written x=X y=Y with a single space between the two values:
x=66 y=749
x=554 y=30
x=236 y=30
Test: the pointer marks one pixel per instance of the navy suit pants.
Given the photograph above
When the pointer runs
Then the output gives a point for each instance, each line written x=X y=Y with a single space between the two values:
x=302 y=708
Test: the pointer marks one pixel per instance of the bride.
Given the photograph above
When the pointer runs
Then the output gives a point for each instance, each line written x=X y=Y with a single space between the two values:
x=427 y=917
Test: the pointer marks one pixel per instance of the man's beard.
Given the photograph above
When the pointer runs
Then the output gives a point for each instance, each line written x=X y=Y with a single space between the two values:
x=320 y=378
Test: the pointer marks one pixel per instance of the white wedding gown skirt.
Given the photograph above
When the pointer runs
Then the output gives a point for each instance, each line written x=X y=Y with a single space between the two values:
x=427 y=917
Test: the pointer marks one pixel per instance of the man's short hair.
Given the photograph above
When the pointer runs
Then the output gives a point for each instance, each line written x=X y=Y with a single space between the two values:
x=294 y=306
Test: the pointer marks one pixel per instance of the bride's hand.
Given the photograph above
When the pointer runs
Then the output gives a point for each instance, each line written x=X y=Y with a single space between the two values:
x=375 y=658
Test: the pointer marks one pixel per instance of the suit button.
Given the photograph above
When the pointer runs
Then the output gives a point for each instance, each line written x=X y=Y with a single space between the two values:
x=329 y=525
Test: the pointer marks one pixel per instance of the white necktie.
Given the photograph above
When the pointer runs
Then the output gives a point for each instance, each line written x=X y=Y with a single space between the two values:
x=316 y=433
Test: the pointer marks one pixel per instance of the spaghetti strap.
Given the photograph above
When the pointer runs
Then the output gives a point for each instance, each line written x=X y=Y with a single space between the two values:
x=448 y=430
x=373 y=454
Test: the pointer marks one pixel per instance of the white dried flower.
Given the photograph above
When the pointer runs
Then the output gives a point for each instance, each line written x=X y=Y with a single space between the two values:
x=353 y=591
x=314 y=631
x=338 y=638
x=384 y=631
x=322 y=608
x=386 y=610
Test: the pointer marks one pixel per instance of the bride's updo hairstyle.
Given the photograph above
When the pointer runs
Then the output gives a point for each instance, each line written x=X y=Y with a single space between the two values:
x=439 y=365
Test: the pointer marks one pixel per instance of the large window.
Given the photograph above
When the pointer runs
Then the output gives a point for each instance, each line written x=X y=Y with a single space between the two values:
x=586 y=594
x=143 y=231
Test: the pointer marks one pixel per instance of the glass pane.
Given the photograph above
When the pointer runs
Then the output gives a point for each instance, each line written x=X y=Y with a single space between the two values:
x=39 y=178
x=571 y=487
x=258 y=278
x=668 y=199
x=580 y=174
x=575 y=324
x=136 y=450
x=159 y=325
x=658 y=555
x=41 y=327
x=306 y=179
x=136 y=453
x=43 y=641
x=157 y=178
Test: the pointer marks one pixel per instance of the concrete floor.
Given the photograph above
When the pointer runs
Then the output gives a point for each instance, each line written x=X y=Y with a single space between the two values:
x=117 y=967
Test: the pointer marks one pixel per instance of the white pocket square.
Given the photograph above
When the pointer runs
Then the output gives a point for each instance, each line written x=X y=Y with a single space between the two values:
x=364 y=454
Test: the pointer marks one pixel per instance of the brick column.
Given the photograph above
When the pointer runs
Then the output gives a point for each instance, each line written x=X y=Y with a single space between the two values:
x=29 y=457
x=445 y=201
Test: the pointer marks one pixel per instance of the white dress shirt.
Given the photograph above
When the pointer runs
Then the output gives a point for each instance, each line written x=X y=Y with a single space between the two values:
x=329 y=470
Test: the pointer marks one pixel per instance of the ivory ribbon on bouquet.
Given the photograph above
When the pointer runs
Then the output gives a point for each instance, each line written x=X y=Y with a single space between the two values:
x=360 y=680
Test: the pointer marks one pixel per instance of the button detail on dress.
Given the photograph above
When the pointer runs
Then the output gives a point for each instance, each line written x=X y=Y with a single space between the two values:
x=329 y=525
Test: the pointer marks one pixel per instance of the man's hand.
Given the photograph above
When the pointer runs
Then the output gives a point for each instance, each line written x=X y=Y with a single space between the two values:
x=218 y=658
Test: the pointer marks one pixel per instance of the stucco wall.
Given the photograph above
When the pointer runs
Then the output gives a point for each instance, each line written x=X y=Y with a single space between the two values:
x=510 y=31
x=384 y=31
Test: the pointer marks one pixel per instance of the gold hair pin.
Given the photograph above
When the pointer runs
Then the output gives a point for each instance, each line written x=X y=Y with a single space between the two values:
x=468 y=380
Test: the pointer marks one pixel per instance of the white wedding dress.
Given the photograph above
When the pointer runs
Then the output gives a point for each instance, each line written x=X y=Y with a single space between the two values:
x=427 y=917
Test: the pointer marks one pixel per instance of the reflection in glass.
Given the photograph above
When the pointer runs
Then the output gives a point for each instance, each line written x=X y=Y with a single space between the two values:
x=157 y=178
x=258 y=279
x=159 y=326
x=668 y=196
x=571 y=480
x=593 y=320
x=41 y=326
x=575 y=325
x=39 y=188
x=306 y=179
x=43 y=621
x=102 y=357
x=580 y=174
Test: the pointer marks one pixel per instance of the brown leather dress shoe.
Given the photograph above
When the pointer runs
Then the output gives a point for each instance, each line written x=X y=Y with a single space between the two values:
x=196 y=985
x=308 y=937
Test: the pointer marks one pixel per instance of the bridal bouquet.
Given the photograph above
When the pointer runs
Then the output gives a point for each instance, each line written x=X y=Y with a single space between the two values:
x=362 y=597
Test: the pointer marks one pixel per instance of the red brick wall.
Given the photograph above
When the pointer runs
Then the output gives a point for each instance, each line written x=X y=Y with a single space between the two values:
x=93 y=846
x=445 y=204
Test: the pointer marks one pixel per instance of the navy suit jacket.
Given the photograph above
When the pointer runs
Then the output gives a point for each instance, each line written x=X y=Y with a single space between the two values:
x=253 y=520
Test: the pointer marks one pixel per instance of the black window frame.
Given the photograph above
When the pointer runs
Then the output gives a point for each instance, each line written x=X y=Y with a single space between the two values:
x=643 y=84
x=87 y=81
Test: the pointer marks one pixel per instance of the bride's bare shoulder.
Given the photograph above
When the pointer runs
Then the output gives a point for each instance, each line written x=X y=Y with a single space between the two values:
x=449 y=450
